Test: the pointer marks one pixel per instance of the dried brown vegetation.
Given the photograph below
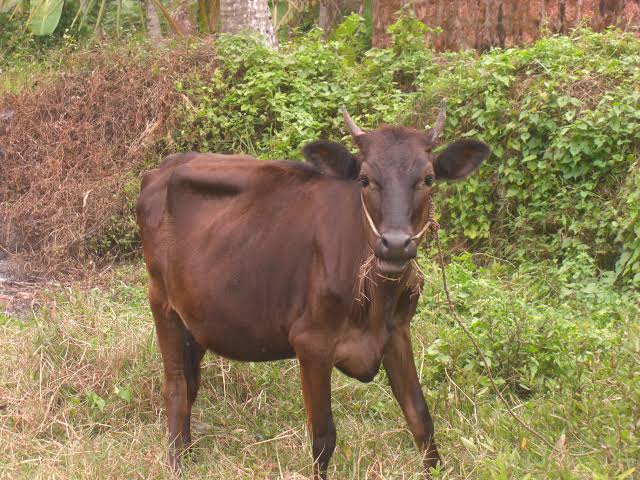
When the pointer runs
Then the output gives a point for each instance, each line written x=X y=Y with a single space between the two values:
x=73 y=148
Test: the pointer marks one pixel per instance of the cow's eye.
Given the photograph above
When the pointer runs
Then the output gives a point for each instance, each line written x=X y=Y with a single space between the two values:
x=429 y=180
x=364 y=180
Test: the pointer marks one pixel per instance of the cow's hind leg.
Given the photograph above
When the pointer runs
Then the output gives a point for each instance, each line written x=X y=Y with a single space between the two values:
x=180 y=376
x=193 y=354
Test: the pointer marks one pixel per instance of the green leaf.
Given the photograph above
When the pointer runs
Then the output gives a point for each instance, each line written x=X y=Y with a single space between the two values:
x=123 y=393
x=97 y=401
x=45 y=15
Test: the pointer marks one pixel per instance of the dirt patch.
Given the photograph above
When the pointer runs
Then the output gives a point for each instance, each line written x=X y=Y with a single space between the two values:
x=16 y=296
x=73 y=149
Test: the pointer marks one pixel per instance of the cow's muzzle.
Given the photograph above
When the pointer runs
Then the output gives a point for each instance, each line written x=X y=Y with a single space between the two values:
x=394 y=250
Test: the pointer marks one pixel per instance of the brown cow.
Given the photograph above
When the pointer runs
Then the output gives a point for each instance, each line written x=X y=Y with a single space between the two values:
x=262 y=261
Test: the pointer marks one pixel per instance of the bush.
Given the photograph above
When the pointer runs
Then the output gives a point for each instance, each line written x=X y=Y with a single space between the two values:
x=538 y=335
x=271 y=104
x=561 y=117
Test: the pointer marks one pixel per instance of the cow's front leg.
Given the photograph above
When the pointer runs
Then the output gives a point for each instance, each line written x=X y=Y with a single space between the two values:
x=401 y=370
x=315 y=372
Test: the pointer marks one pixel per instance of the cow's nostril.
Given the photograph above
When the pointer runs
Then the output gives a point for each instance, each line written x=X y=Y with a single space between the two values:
x=395 y=244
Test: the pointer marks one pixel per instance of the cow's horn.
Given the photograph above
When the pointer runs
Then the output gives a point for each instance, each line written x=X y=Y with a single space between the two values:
x=355 y=130
x=435 y=132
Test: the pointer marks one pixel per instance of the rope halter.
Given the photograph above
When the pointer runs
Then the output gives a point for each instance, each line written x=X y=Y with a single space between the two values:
x=429 y=224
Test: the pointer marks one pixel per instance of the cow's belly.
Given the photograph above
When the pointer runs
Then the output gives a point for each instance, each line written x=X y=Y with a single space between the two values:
x=250 y=340
x=359 y=354
x=245 y=347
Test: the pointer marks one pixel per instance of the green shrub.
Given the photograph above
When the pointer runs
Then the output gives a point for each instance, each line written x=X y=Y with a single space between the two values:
x=271 y=104
x=561 y=116
x=540 y=334
x=352 y=38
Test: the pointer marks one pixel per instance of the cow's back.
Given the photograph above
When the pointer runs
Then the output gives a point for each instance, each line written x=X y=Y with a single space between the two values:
x=151 y=205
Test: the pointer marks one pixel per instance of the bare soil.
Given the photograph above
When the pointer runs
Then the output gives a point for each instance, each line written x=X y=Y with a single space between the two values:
x=16 y=295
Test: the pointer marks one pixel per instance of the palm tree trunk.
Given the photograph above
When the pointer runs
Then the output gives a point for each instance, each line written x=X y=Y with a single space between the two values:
x=248 y=15
x=483 y=24
x=332 y=12
x=384 y=14
x=153 y=21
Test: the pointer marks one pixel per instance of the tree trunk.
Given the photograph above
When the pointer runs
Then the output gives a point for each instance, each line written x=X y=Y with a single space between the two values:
x=482 y=24
x=248 y=15
x=333 y=11
x=213 y=15
x=184 y=19
x=153 y=21
x=385 y=12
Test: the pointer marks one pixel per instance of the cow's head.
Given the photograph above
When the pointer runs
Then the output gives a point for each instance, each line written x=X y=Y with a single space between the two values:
x=397 y=170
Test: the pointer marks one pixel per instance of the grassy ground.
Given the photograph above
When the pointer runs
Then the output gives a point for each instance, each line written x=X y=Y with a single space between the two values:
x=80 y=382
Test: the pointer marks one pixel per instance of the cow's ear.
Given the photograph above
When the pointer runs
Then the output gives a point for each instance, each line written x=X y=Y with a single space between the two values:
x=460 y=159
x=332 y=158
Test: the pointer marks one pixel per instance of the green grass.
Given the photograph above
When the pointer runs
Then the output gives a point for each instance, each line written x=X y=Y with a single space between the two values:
x=81 y=382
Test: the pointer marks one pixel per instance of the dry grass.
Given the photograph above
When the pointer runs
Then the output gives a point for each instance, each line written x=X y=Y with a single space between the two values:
x=89 y=342
x=80 y=398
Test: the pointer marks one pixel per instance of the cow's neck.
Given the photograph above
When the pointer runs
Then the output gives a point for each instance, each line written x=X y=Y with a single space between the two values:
x=376 y=294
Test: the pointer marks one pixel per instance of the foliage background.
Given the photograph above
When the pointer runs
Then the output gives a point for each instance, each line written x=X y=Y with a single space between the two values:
x=561 y=116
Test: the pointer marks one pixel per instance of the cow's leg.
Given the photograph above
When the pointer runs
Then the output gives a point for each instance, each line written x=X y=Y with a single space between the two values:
x=193 y=354
x=171 y=339
x=401 y=370
x=315 y=372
